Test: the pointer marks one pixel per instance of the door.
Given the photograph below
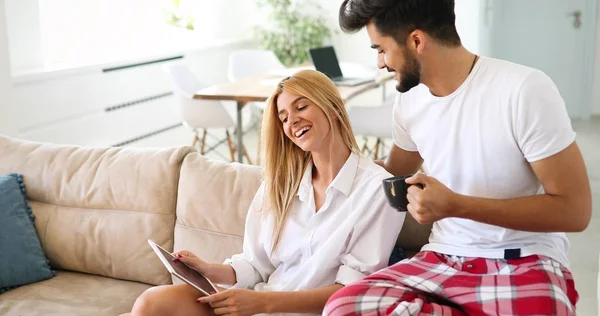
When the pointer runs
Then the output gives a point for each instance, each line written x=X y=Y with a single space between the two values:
x=555 y=36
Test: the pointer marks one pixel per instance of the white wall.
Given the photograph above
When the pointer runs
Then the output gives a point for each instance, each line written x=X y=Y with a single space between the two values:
x=469 y=18
x=7 y=116
x=24 y=39
x=596 y=86
x=69 y=106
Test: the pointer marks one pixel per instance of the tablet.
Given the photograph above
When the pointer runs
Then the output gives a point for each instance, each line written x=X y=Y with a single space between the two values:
x=183 y=272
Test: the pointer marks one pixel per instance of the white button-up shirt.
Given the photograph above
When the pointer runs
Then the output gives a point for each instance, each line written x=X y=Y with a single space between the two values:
x=350 y=237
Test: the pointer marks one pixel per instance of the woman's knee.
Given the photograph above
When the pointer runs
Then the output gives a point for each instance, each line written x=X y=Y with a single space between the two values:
x=170 y=300
x=151 y=302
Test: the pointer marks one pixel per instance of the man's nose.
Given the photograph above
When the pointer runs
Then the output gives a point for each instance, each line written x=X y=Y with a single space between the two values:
x=380 y=62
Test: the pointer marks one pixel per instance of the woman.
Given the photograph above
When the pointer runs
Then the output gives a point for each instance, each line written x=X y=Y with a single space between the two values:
x=319 y=220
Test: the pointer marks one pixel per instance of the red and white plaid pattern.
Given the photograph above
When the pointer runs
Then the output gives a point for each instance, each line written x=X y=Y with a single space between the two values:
x=437 y=284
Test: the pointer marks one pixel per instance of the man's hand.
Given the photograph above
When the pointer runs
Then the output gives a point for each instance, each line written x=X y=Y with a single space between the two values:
x=431 y=203
x=237 y=302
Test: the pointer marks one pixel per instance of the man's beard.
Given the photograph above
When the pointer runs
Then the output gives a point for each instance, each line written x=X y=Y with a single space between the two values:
x=410 y=74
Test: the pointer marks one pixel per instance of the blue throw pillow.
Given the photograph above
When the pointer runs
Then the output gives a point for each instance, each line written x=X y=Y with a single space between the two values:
x=22 y=259
x=396 y=256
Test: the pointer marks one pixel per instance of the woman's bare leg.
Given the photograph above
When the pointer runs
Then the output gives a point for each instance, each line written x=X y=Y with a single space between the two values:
x=176 y=300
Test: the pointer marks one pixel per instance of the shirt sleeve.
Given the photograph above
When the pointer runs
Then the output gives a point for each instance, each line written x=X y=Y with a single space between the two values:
x=253 y=265
x=372 y=239
x=543 y=127
x=400 y=135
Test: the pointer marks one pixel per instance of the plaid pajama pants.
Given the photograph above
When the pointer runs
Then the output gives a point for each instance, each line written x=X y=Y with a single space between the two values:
x=435 y=284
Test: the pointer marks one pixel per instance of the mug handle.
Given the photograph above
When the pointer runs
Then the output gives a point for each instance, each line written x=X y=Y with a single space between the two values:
x=420 y=186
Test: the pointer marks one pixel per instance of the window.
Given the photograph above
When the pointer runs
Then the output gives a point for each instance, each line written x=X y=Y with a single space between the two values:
x=75 y=33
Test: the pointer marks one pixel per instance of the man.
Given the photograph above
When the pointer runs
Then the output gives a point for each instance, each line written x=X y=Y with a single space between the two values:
x=505 y=178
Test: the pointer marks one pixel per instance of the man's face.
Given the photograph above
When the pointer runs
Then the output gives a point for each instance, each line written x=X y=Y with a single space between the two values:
x=395 y=58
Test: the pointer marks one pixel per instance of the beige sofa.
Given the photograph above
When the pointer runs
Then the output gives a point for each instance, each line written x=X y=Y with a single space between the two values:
x=96 y=207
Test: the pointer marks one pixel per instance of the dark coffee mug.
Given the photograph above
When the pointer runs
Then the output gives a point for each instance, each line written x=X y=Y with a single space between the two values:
x=395 y=189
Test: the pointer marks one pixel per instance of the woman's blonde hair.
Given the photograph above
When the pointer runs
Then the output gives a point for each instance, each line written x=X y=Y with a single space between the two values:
x=285 y=163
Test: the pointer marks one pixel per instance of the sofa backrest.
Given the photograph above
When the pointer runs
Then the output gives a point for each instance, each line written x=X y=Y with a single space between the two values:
x=413 y=235
x=96 y=208
x=213 y=201
x=212 y=204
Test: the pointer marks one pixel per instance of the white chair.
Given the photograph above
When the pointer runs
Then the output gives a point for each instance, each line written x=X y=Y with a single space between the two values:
x=199 y=114
x=251 y=62
x=375 y=121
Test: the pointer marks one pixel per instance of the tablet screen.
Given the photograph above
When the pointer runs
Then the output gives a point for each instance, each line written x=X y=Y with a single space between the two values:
x=186 y=272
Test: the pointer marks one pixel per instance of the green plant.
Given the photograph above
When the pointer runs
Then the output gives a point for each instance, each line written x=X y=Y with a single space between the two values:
x=175 y=16
x=289 y=32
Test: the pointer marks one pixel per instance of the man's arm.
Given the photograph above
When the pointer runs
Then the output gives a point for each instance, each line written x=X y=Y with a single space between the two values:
x=566 y=205
x=401 y=162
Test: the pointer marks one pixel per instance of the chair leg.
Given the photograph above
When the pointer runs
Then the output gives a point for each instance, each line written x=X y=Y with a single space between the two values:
x=364 y=148
x=258 y=154
x=230 y=145
x=195 y=141
x=376 y=154
x=246 y=155
x=203 y=141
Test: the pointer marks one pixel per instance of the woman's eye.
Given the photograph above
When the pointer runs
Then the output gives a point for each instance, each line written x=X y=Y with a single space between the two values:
x=302 y=107
x=284 y=120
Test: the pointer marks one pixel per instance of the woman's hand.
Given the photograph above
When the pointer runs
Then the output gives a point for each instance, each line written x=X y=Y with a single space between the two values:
x=216 y=273
x=192 y=261
x=237 y=302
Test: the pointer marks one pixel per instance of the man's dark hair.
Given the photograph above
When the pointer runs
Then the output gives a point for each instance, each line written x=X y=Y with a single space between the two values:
x=398 y=18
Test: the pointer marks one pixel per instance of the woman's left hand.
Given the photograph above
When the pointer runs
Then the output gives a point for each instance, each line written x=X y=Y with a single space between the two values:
x=237 y=302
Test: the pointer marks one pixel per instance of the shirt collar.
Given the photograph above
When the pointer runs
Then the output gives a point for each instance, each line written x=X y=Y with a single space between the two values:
x=342 y=182
x=345 y=178
x=306 y=183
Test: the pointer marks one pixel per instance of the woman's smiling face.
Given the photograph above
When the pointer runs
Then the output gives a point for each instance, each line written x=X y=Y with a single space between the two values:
x=304 y=123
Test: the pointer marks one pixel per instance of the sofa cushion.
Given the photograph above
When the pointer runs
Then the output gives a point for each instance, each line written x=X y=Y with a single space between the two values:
x=72 y=293
x=413 y=236
x=22 y=259
x=96 y=207
x=213 y=200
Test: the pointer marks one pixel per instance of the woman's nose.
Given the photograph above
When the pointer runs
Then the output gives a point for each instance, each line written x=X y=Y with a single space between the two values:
x=294 y=120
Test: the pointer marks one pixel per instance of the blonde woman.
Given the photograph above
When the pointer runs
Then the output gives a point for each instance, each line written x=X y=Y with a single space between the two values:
x=319 y=220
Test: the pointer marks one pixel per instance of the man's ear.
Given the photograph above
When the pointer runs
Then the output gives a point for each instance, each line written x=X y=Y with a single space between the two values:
x=417 y=41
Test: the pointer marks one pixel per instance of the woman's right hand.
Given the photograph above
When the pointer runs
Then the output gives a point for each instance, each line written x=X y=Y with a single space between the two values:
x=192 y=261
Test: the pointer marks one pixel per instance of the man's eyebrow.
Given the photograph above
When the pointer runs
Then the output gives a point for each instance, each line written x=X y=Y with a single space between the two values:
x=374 y=46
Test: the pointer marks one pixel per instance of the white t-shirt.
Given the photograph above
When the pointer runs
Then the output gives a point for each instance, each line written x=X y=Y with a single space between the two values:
x=350 y=237
x=479 y=141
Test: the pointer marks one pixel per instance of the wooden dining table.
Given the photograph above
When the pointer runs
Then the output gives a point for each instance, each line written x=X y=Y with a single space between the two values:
x=259 y=89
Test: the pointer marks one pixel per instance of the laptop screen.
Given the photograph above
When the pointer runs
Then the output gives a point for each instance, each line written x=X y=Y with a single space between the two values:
x=326 y=61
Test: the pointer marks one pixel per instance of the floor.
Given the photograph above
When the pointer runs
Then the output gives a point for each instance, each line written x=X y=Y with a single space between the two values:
x=585 y=246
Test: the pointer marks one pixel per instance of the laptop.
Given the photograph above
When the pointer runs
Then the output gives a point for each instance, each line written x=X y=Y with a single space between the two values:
x=326 y=61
